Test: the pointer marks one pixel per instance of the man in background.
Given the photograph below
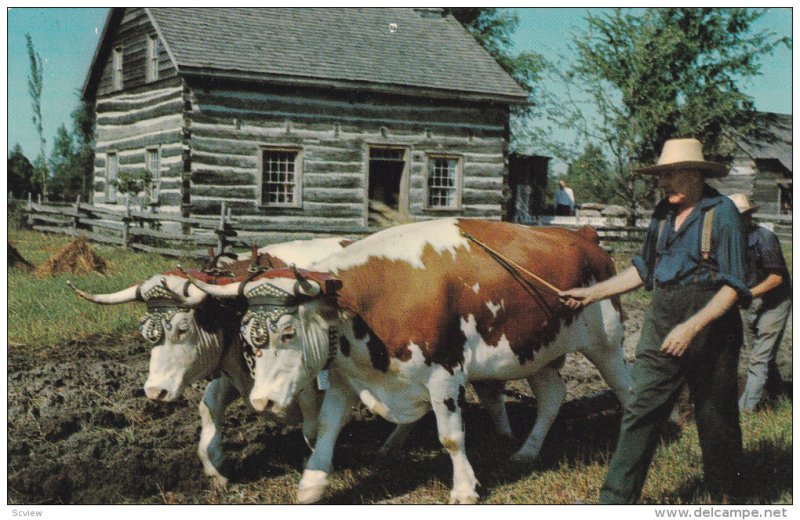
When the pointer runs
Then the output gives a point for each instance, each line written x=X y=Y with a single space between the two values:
x=565 y=199
x=769 y=281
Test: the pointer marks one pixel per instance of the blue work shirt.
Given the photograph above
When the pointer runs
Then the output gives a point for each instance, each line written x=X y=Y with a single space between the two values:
x=675 y=259
x=764 y=256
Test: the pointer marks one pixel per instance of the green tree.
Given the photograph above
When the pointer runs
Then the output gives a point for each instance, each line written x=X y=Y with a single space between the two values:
x=664 y=73
x=492 y=28
x=589 y=176
x=20 y=173
x=83 y=123
x=35 y=88
x=67 y=176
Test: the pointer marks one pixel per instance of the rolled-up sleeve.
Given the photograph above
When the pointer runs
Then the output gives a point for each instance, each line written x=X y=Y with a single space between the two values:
x=645 y=262
x=731 y=251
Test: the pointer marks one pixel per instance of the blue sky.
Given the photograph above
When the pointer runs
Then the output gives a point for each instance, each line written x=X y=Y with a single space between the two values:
x=66 y=38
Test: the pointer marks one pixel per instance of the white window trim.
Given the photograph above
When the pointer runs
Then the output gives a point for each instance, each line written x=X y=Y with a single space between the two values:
x=151 y=70
x=117 y=67
x=154 y=190
x=111 y=189
x=459 y=181
x=298 y=177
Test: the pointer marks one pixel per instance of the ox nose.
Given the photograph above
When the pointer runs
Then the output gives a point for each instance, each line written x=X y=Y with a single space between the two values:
x=155 y=393
x=261 y=404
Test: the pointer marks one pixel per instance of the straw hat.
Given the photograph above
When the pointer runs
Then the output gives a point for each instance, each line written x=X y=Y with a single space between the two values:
x=742 y=202
x=683 y=154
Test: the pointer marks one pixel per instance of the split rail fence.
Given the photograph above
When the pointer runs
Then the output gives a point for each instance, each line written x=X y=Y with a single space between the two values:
x=173 y=235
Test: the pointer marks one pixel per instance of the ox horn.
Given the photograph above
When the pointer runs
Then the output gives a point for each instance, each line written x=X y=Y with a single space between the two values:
x=304 y=287
x=230 y=290
x=123 y=296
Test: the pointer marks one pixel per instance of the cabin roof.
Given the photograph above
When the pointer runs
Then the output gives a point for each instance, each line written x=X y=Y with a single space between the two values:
x=414 y=51
x=774 y=141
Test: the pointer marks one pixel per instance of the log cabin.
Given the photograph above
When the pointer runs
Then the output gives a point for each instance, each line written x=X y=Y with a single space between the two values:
x=305 y=117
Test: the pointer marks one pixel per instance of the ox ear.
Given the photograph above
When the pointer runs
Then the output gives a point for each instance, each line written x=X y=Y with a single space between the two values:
x=230 y=290
x=130 y=294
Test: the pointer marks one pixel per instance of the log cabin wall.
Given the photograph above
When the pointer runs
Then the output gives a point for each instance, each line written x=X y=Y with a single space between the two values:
x=333 y=133
x=144 y=115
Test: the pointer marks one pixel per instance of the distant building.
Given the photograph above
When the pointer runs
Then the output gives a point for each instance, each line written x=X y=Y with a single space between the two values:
x=302 y=116
x=761 y=168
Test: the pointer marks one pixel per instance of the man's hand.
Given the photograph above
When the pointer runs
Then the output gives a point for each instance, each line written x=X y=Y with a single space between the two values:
x=577 y=298
x=679 y=339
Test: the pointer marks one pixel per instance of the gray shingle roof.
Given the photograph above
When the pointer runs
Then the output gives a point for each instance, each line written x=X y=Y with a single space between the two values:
x=775 y=141
x=425 y=51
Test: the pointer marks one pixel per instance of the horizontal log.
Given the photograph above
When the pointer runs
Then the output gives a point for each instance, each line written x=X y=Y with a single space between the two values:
x=134 y=141
x=96 y=237
x=149 y=111
x=329 y=180
x=168 y=251
x=225 y=192
x=329 y=166
x=222 y=177
x=236 y=161
x=333 y=195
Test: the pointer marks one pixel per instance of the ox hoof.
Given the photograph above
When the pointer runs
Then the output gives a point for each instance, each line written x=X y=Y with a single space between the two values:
x=524 y=458
x=463 y=497
x=218 y=482
x=312 y=486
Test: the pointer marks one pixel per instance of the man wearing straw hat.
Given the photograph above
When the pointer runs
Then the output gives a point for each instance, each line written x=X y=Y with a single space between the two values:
x=692 y=332
x=769 y=281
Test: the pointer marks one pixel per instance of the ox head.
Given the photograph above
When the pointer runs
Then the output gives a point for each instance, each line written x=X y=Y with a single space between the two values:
x=184 y=347
x=288 y=325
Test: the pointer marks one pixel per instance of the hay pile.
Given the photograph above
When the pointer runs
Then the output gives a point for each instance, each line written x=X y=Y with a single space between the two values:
x=76 y=257
x=382 y=215
x=16 y=260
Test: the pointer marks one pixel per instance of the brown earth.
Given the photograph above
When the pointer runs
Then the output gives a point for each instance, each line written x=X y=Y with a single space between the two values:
x=81 y=431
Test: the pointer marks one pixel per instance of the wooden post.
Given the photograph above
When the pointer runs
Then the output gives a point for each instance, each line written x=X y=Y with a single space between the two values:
x=77 y=215
x=39 y=199
x=126 y=223
x=30 y=201
x=221 y=242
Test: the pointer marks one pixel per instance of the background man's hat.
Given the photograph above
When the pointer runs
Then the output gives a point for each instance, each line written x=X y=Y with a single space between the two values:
x=742 y=202
x=685 y=154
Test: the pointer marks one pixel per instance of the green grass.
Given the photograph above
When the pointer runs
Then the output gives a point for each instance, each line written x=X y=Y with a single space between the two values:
x=45 y=312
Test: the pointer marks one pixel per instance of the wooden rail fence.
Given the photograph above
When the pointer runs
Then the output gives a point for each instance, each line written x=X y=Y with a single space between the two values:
x=173 y=235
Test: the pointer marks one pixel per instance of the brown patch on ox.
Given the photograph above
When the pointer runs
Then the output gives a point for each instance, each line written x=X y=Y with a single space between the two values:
x=344 y=243
x=402 y=305
x=449 y=444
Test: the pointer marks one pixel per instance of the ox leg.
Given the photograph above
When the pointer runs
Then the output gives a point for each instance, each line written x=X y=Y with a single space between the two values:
x=616 y=372
x=396 y=440
x=335 y=412
x=493 y=401
x=310 y=402
x=448 y=395
x=549 y=389
x=219 y=394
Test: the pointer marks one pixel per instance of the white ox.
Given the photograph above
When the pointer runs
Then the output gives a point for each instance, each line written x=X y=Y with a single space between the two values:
x=421 y=310
x=195 y=337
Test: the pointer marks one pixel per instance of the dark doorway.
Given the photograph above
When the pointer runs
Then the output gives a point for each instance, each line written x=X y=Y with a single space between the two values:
x=386 y=167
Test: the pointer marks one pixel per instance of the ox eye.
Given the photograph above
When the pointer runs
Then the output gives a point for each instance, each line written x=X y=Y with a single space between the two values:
x=288 y=333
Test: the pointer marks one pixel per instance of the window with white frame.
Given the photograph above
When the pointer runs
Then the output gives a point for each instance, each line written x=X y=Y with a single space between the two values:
x=280 y=177
x=112 y=167
x=151 y=73
x=117 y=67
x=153 y=166
x=444 y=181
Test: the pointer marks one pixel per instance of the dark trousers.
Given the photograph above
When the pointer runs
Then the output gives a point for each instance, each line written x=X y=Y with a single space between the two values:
x=709 y=366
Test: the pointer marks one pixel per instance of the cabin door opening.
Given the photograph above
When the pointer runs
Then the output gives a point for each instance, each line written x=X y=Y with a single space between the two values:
x=388 y=200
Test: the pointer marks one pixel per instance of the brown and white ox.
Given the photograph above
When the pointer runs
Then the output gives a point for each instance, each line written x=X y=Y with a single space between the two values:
x=195 y=337
x=421 y=310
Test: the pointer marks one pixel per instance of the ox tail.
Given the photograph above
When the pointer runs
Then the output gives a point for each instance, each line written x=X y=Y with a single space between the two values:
x=599 y=265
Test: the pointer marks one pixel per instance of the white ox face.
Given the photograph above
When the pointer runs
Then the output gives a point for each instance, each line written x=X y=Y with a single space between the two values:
x=181 y=352
x=290 y=339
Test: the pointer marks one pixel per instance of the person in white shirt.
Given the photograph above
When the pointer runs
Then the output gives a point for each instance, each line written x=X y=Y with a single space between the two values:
x=565 y=199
